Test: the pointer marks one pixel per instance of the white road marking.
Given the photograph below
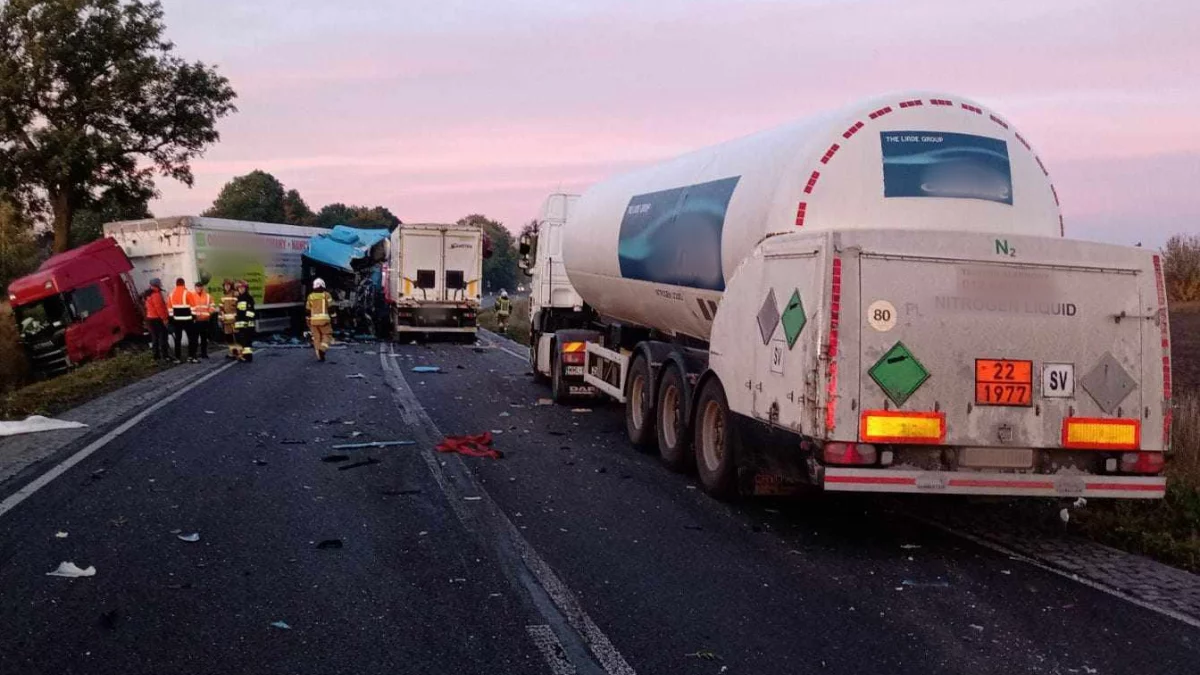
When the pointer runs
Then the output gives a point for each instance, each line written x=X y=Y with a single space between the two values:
x=498 y=342
x=1004 y=550
x=43 y=480
x=547 y=643
x=564 y=599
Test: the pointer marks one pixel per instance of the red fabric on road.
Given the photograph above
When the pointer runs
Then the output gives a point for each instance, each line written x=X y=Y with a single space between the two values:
x=472 y=446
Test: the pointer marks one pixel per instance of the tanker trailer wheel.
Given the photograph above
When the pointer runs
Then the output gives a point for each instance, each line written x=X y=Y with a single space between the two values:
x=639 y=408
x=716 y=442
x=674 y=436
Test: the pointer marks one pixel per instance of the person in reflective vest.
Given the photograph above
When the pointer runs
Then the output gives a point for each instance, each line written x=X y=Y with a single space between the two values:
x=204 y=317
x=157 y=315
x=228 y=317
x=243 y=322
x=183 y=320
x=320 y=311
x=503 y=309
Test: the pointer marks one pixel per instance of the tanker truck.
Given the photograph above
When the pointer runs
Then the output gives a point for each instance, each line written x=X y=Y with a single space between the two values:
x=877 y=299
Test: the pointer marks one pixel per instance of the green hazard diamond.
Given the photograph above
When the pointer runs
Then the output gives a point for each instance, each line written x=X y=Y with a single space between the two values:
x=794 y=318
x=898 y=373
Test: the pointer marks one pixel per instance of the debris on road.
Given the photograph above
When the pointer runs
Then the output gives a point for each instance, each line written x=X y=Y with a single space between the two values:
x=372 y=444
x=399 y=493
x=118 y=521
x=473 y=446
x=505 y=414
x=280 y=625
x=335 y=458
x=977 y=627
x=427 y=369
x=329 y=544
x=209 y=412
x=1080 y=503
x=909 y=547
x=356 y=376
x=1065 y=516
x=706 y=654
x=581 y=410
x=60 y=535
x=260 y=462
x=366 y=462
x=293 y=442
x=544 y=401
x=472 y=499
x=71 y=571
x=190 y=538
x=35 y=424
x=925 y=584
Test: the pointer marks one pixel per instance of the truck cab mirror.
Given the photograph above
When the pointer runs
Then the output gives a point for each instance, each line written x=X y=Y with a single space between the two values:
x=526 y=246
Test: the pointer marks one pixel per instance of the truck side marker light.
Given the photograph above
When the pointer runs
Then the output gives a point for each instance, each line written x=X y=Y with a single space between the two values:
x=891 y=426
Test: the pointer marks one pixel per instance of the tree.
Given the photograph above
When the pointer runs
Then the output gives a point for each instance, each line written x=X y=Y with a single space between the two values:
x=1181 y=267
x=96 y=100
x=257 y=196
x=356 y=216
x=18 y=248
x=88 y=223
x=500 y=270
x=296 y=211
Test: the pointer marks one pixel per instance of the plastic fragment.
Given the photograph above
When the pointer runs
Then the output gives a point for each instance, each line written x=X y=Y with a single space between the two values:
x=581 y=410
x=427 y=369
x=544 y=401
x=356 y=376
x=191 y=538
x=473 y=446
x=977 y=627
x=280 y=625
x=60 y=535
x=472 y=499
x=71 y=571
x=371 y=444
x=1080 y=503
x=1065 y=516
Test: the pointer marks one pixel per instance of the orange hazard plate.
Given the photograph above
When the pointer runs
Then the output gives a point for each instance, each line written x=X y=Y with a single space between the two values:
x=1003 y=382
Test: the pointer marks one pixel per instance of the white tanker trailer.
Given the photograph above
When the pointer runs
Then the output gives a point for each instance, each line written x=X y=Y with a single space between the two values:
x=878 y=299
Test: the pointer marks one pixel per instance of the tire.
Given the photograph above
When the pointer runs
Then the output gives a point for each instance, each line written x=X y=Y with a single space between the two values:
x=559 y=389
x=715 y=441
x=639 y=408
x=674 y=435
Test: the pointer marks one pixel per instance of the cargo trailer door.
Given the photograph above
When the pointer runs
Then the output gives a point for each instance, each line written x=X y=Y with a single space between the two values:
x=462 y=264
x=422 y=264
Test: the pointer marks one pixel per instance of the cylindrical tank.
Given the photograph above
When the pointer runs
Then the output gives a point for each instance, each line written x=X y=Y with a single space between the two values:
x=654 y=247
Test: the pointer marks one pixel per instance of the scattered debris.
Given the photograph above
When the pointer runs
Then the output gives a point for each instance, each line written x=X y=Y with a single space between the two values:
x=366 y=462
x=72 y=571
x=505 y=414
x=472 y=499
x=356 y=376
x=260 y=462
x=280 y=625
x=581 y=410
x=1080 y=503
x=176 y=531
x=36 y=423
x=372 y=397
x=330 y=544
x=427 y=369
x=458 y=580
x=706 y=654
x=60 y=535
x=544 y=401
x=209 y=412
x=118 y=521
x=909 y=547
x=335 y=458
x=1065 y=516
x=925 y=584
x=293 y=442
x=976 y=627
x=191 y=538
x=422 y=533
x=1009 y=572
x=372 y=444
x=473 y=446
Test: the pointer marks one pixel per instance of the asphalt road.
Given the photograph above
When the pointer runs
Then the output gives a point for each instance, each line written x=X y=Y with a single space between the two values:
x=573 y=553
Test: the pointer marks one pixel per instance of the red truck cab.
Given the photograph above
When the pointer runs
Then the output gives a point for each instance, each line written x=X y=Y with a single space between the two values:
x=76 y=307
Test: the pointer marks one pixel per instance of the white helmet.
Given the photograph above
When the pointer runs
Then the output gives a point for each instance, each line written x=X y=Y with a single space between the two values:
x=503 y=293
x=318 y=283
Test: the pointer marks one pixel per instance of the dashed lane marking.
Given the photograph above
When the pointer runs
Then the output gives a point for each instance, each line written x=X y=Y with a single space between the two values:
x=585 y=646
x=43 y=480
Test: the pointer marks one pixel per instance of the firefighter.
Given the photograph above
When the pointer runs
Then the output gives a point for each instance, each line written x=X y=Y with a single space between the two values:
x=229 y=318
x=204 y=317
x=503 y=309
x=183 y=320
x=156 y=319
x=244 y=322
x=320 y=311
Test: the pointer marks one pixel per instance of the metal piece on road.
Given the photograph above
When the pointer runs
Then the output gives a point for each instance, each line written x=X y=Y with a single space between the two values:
x=372 y=444
x=584 y=644
x=43 y=480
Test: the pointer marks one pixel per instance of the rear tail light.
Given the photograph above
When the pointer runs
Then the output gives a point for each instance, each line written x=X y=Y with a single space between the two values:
x=887 y=426
x=573 y=358
x=1142 y=462
x=1086 y=433
x=849 y=453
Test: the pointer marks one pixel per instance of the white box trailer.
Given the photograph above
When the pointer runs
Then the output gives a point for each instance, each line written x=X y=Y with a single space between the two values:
x=265 y=255
x=435 y=275
x=880 y=299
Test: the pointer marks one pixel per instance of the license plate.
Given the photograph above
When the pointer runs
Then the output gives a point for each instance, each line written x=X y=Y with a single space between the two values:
x=1003 y=382
x=996 y=458
x=575 y=370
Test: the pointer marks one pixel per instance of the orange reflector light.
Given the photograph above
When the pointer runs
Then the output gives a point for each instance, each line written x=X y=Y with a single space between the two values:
x=569 y=347
x=889 y=426
x=1101 y=434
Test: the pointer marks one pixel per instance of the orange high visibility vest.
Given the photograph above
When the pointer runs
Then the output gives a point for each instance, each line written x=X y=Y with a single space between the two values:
x=182 y=303
x=204 y=306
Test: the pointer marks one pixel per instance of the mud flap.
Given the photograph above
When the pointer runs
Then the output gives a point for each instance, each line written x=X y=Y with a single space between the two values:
x=772 y=462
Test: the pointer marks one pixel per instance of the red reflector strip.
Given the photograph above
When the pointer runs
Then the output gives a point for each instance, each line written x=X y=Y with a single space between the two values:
x=1130 y=487
x=874 y=480
x=812 y=182
x=911 y=104
x=835 y=310
x=1041 y=166
x=985 y=483
x=881 y=112
x=999 y=121
x=852 y=130
x=972 y=108
x=1023 y=141
x=940 y=101
x=830 y=153
x=1165 y=334
x=800 y=212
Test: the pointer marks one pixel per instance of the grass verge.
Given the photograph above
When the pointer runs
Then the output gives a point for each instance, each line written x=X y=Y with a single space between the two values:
x=518 y=321
x=82 y=384
x=1166 y=530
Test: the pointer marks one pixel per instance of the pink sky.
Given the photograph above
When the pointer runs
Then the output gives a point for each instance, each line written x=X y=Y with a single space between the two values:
x=440 y=108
